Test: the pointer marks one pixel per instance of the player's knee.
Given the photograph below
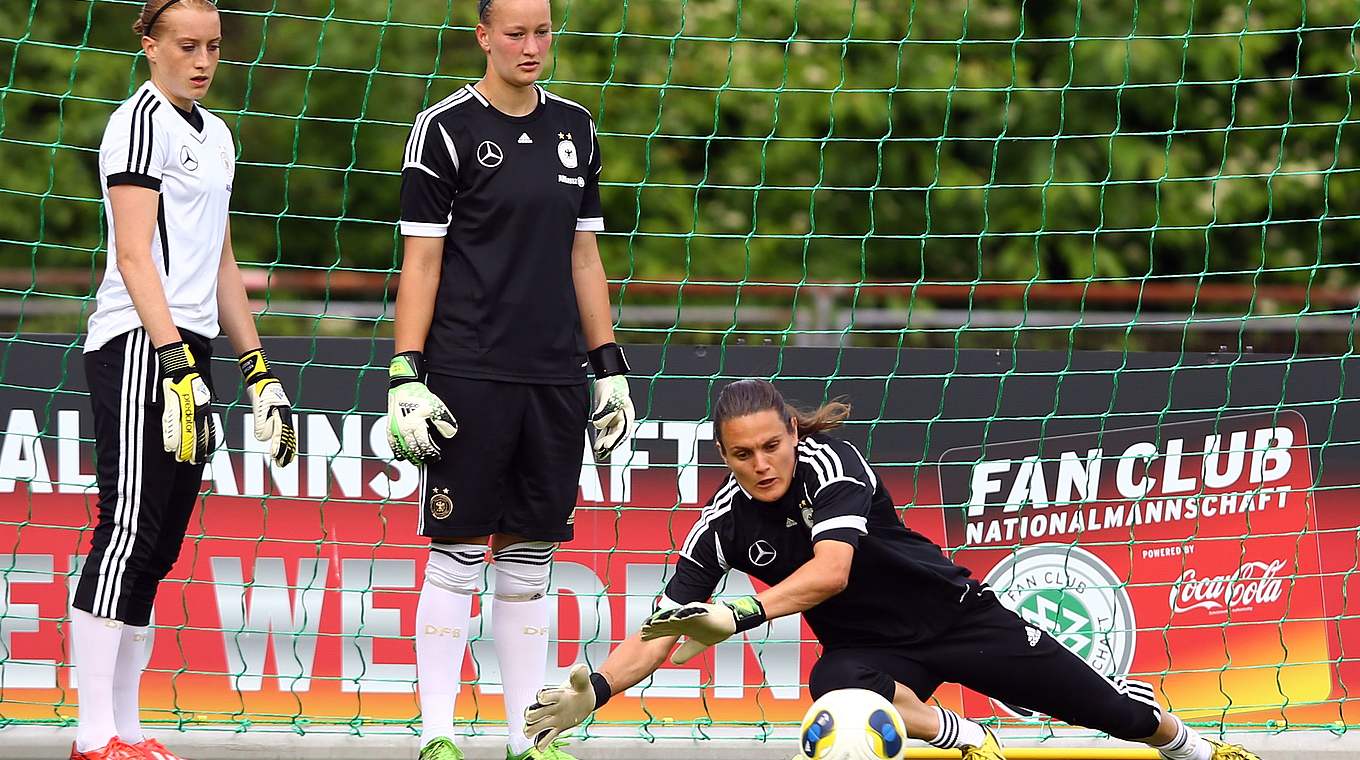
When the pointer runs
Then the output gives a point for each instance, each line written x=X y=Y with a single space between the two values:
x=157 y=569
x=522 y=570
x=1131 y=721
x=834 y=672
x=456 y=567
x=1131 y=713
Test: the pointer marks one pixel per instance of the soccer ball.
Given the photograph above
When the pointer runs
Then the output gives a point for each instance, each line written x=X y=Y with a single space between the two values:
x=852 y=724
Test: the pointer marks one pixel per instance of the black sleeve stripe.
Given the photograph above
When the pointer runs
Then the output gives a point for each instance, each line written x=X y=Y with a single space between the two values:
x=134 y=133
x=150 y=127
x=141 y=133
x=164 y=233
x=133 y=178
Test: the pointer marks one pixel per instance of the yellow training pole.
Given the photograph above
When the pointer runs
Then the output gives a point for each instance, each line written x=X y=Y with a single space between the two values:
x=1044 y=753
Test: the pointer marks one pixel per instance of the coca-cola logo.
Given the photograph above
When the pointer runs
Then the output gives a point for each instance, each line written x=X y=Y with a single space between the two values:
x=1251 y=584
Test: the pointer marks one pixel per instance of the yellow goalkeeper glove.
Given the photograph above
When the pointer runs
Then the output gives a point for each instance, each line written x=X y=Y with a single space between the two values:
x=187 y=428
x=269 y=407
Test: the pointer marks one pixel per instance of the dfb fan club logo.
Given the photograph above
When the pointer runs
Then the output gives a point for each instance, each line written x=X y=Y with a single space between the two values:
x=1074 y=596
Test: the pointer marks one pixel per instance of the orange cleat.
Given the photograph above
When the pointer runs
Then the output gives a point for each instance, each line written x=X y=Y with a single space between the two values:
x=154 y=750
x=116 y=749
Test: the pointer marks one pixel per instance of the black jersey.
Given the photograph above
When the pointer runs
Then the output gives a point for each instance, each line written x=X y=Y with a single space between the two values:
x=902 y=588
x=507 y=194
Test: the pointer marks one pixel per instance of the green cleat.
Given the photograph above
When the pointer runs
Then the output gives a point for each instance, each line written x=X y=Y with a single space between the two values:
x=441 y=748
x=553 y=752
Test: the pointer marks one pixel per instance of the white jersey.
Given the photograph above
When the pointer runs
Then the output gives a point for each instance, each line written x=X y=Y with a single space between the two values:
x=147 y=143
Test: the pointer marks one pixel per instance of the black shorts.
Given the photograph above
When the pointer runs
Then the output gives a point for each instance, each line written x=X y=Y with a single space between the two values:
x=993 y=652
x=145 y=496
x=514 y=465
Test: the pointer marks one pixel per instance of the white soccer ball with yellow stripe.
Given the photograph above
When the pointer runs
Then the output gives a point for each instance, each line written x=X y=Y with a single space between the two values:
x=852 y=724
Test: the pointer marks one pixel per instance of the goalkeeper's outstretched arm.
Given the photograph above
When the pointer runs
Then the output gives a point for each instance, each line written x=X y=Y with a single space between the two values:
x=634 y=660
x=561 y=708
x=704 y=625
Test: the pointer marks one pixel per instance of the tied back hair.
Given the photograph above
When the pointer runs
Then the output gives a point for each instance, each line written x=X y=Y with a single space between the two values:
x=150 y=18
x=484 y=12
x=753 y=396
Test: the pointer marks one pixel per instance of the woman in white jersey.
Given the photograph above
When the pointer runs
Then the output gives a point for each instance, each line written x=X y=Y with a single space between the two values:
x=166 y=168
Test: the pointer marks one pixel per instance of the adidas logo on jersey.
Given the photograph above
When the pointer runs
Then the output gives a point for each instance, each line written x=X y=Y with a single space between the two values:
x=789 y=523
x=524 y=139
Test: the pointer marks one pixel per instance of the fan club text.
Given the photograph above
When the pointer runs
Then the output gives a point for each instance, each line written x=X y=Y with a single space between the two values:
x=1070 y=492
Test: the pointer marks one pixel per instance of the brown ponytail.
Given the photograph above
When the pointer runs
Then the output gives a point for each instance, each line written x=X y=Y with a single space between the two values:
x=151 y=17
x=752 y=396
x=828 y=416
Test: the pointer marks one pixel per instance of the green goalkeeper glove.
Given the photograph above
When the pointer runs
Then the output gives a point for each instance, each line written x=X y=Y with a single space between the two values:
x=413 y=411
x=187 y=428
x=703 y=625
x=269 y=407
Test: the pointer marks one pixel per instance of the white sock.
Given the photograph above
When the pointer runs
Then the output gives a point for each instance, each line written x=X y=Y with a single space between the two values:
x=94 y=647
x=520 y=631
x=956 y=731
x=133 y=655
x=442 y=618
x=1187 y=744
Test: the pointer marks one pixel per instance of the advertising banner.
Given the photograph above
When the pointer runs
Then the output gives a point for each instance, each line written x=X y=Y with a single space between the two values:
x=1155 y=551
x=1182 y=520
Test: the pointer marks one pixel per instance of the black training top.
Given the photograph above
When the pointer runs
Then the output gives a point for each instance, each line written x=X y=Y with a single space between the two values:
x=902 y=589
x=507 y=194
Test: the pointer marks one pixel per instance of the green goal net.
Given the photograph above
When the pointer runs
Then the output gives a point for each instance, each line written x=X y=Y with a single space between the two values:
x=1117 y=176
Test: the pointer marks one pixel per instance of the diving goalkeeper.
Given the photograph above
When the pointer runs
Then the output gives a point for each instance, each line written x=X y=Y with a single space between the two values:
x=805 y=513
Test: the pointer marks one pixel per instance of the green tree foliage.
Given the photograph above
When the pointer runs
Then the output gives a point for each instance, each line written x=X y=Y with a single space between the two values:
x=764 y=140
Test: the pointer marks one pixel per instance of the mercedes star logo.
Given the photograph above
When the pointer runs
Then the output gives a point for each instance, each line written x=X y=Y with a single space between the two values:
x=761 y=553
x=489 y=154
x=187 y=159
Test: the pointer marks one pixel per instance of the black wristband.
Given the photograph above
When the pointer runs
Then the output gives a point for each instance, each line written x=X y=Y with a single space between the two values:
x=603 y=691
x=608 y=360
x=174 y=358
x=254 y=366
x=406 y=367
x=748 y=613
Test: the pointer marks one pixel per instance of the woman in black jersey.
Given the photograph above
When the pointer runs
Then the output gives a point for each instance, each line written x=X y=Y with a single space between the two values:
x=171 y=284
x=503 y=305
x=805 y=513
